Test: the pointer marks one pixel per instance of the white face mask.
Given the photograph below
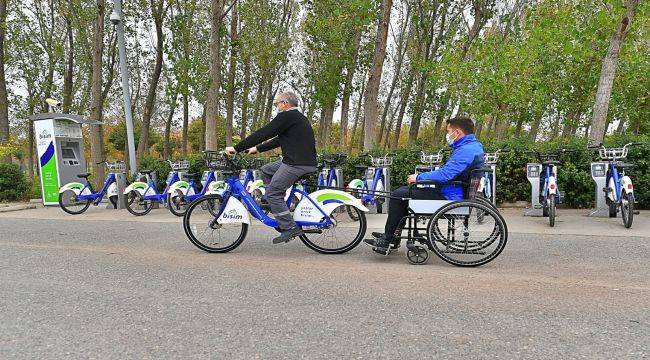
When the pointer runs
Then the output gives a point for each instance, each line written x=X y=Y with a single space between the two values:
x=449 y=138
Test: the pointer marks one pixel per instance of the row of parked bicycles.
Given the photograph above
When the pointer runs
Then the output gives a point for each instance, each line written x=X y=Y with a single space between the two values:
x=217 y=205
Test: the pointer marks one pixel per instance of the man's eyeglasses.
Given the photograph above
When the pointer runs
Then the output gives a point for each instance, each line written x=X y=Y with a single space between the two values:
x=276 y=103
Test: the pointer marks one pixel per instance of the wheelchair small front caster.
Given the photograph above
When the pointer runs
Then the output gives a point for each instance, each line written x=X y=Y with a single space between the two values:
x=417 y=255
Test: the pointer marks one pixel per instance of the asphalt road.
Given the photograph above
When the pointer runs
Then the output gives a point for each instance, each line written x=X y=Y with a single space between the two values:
x=102 y=289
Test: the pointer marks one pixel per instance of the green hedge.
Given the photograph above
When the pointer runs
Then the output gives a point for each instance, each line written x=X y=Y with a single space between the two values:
x=13 y=183
x=574 y=177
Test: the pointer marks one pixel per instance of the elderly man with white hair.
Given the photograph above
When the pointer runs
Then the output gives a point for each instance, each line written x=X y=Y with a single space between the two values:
x=291 y=131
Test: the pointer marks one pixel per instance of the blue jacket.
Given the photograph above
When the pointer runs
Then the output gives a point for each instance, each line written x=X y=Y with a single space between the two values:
x=467 y=154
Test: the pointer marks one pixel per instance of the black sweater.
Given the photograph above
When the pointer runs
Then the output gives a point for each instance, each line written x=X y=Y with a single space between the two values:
x=289 y=130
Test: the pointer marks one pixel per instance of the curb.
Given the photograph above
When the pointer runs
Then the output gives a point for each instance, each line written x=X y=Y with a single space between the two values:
x=9 y=208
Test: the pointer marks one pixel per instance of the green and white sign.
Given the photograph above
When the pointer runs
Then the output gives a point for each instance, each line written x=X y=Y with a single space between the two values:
x=47 y=159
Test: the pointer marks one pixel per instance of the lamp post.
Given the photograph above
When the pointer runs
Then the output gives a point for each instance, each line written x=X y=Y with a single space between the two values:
x=116 y=19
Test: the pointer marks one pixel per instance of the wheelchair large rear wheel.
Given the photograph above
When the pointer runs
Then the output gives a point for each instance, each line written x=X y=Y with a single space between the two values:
x=459 y=237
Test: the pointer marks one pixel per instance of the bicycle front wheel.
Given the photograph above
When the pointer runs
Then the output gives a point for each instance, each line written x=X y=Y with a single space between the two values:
x=627 y=209
x=201 y=227
x=344 y=235
x=551 y=210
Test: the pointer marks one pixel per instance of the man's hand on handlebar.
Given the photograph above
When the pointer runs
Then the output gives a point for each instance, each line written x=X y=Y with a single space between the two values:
x=252 y=150
x=412 y=179
x=230 y=150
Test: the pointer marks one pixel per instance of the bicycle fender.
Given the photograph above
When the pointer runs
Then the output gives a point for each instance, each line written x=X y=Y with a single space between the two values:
x=216 y=187
x=179 y=186
x=612 y=195
x=74 y=186
x=327 y=200
x=626 y=184
x=552 y=185
x=112 y=190
x=234 y=212
x=255 y=185
x=356 y=184
x=139 y=186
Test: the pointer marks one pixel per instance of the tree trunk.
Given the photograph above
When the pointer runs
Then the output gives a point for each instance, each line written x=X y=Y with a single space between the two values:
x=324 y=129
x=168 y=127
x=230 y=100
x=418 y=108
x=4 y=101
x=244 y=99
x=347 y=90
x=607 y=74
x=186 y=121
x=406 y=91
x=96 y=105
x=157 y=11
x=357 y=115
x=67 y=78
x=212 y=102
x=372 y=90
x=259 y=100
x=401 y=50
x=268 y=106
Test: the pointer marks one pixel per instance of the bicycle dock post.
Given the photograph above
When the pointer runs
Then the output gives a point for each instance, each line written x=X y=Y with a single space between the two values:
x=533 y=173
x=120 y=181
x=494 y=183
x=387 y=185
x=599 y=175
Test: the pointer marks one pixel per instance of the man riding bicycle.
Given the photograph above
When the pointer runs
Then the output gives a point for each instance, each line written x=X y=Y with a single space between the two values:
x=291 y=131
x=467 y=155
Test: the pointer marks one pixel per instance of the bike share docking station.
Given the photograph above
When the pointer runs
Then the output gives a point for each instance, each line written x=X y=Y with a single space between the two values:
x=599 y=175
x=534 y=173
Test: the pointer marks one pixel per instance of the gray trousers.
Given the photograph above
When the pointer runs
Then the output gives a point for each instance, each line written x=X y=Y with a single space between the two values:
x=278 y=177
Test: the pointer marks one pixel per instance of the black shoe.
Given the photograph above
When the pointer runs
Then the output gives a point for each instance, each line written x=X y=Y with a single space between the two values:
x=382 y=245
x=395 y=243
x=288 y=235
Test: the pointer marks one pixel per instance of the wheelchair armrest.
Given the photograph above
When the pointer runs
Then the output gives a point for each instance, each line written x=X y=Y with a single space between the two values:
x=430 y=182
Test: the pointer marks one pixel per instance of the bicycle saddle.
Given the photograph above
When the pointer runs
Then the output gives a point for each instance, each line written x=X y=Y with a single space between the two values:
x=362 y=167
x=551 y=162
x=624 y=165
x=193 y=175
x=304 y=177
x=83 y=176
x=147 y=172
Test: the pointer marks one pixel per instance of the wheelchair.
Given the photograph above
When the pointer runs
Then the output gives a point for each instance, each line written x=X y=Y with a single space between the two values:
x=469 y=232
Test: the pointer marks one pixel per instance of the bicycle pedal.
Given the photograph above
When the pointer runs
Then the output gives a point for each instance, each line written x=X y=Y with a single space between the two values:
x=637 y=212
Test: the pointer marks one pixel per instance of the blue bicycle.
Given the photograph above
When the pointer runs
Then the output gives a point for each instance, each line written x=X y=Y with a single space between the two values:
x=327 y=177
x=141 y=195
x=76 y=197
x=550 y=194
x=619 y=191
x=371 y=187
x=182 y=193
x=218 y=223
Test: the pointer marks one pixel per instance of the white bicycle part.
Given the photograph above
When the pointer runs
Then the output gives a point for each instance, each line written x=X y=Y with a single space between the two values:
x=76 y=187
x=626 y=184
x=234 y=212
x=327 y=200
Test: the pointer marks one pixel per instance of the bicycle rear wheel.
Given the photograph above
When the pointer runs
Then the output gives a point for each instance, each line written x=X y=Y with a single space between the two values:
x=177 y=204
x=201 y=227
x=70 y=204
x=346 y=233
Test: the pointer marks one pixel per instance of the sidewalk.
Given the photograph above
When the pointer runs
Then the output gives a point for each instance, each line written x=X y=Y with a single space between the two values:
x=569 y=221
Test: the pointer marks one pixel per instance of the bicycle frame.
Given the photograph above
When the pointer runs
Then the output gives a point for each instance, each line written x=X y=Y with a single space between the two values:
x=151 y=186
x=97 y=197
x=331 y=177
x=550 y=183
x=238 y=191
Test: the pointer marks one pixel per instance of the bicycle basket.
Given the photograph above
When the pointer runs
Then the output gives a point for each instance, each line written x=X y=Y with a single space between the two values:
x=491 y=158
x=613 y=153
x=116 y=166
x=382 y=161
x=180 y=165
x=431 y=158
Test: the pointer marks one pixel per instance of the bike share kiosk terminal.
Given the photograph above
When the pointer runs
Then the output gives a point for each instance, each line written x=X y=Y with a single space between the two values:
x=599 y=175
x=60 y=149
x=534 y=173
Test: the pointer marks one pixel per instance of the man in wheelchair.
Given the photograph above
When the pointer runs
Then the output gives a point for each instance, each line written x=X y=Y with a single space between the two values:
x=467 y=155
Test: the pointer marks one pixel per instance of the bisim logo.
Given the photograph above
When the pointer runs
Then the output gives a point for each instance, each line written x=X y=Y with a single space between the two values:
x=232 y=215
x=44 y=135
